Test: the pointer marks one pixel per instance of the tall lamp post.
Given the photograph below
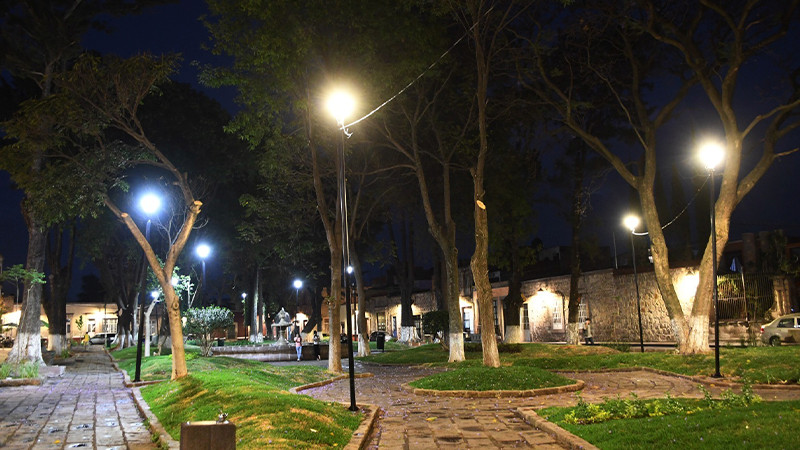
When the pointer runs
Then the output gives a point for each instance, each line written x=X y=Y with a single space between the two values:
x=297 y=284
x=149 y=204
x=203 y=250
x=341 y=105
x=711 y=155
x=631 y=222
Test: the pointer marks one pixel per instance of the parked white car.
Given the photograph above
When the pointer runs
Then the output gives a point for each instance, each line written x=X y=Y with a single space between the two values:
x=783 y=329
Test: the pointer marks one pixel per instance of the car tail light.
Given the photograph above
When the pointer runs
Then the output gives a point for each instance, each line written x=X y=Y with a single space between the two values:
x=762 y=329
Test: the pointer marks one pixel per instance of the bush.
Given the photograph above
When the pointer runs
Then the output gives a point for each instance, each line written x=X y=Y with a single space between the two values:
x=202 y=322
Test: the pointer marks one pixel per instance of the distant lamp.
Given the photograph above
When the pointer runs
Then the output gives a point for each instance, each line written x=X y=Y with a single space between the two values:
x=154 y=294
x=150 y=203
x=203 y=250
x=341 y=105
x=711 y=154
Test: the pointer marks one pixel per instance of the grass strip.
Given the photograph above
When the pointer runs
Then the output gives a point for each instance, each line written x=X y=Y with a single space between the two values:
x=774 y=365
x=491 y=379
x=760 y=425
x=265 y=416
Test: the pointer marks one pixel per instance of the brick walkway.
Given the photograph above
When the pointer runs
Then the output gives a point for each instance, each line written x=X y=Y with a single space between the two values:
x=86 y=407
x=410 y=421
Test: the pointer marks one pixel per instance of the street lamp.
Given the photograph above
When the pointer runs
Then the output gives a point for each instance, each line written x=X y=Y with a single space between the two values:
x=631 y=222
x=341 y=105
x=203 y=250
x=297 y=284
x=149 y=203
x=711 y=155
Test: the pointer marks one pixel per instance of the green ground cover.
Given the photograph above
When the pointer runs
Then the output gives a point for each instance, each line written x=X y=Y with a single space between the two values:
x=759 y=425
x=253 y=394
x=775 y=365
x=490 y=379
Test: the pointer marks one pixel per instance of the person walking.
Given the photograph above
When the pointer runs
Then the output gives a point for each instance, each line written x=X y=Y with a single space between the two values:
x=85 y=340
x=298 y=345
x=315 y=340
x=587 y=332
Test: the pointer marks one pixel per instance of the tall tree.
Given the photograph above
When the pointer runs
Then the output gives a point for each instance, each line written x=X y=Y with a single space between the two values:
x=39 y=40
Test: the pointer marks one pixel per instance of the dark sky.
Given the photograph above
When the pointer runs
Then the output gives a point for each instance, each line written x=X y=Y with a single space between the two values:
x=772 y=204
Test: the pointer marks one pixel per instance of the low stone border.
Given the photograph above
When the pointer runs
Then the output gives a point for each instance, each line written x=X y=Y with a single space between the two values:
x=20 y=382
x=496 y=394
x=696 y=378
x=362 y=433
x=561 y=435
x=164 y=439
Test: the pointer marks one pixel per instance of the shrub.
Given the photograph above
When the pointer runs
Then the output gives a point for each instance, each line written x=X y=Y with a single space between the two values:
x=202 y=322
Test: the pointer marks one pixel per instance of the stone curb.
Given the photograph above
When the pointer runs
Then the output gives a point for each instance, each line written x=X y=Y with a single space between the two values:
x=164 y=439
x=21 y=382
x=364 y=430
x=561 y=435
x=697 y=378
x=496 y=394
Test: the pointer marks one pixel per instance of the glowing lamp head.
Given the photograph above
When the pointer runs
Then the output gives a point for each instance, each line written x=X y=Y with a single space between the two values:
x=297 y=284
x=350 y=269
x=711 y=154
x=341 y=105
x=150 y=203
x=244 y=295
x=154 y=294
x=203 y=251
x=631 y=222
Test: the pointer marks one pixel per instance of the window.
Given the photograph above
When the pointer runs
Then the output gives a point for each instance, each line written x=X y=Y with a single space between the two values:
x=91 y=326
x=466 y=316
x=69 y=326
x=583 y=313
x=381 y=316
x=496 y=319
x=526 y=322
x=110 y=325
x=786 y=323
x=558 y=317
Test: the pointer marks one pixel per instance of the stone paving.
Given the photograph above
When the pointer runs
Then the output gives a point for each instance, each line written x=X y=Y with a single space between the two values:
x=410 y=421
x=86 y=407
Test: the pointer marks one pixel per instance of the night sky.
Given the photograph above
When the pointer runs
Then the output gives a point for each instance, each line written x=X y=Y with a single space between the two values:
x=772 y=204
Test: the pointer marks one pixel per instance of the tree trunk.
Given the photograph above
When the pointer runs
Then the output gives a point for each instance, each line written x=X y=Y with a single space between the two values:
x=255 y=331
x=27 y=345
x=361 y=319
x=334 y=312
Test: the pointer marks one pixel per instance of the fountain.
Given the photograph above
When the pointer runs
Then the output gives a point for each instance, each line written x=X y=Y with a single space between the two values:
x=281 y=322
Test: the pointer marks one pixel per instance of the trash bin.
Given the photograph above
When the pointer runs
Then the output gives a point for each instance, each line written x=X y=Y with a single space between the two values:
x=208 y=435
x=379 y=340
x=221 y=342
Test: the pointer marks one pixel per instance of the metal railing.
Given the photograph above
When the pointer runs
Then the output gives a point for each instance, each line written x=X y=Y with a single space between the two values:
x=746 y=296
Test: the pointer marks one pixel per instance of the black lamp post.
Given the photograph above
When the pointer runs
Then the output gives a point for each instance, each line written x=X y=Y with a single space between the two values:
x=712 y=154
x=341 y=105
x=632 y=222
x=150 y=204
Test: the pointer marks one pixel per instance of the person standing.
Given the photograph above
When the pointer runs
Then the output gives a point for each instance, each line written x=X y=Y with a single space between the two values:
x=315 y=340
x=85 y=340
x=587 y=332
x=298 y=345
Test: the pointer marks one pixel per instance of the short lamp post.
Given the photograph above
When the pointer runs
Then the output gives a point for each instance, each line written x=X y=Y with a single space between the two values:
x=149 y=204
x=711 y=155
x=341 y=105
x=631 y=222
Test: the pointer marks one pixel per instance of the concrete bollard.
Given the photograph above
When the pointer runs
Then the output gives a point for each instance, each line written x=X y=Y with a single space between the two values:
x=208 y=435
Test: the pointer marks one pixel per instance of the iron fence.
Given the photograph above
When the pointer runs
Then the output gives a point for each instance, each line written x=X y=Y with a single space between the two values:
x=746 y=296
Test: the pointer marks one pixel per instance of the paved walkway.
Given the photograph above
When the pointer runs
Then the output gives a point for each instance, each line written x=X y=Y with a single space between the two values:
x=86 y=407
x=410 y=421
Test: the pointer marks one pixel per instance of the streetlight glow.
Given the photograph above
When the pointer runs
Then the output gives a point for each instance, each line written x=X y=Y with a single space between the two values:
x=154 y=294
x=631 y=222
x=350 y=269
x=203 y=250
x=341 y=105
x=244 y=295
x=150 y=203
x=298 y=284
x=711 y=154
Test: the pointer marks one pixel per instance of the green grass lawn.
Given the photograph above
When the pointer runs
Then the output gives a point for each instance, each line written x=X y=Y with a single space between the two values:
x=760 y=425
x=759 y=364
x=490 y=379
x=253 y=394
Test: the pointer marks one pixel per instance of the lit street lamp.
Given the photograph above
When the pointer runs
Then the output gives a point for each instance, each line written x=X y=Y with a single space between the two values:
x=631 y=222
x=341 y=105
x=203 y=250
x=711 y=155
x=297 y=284
x=149 y=203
